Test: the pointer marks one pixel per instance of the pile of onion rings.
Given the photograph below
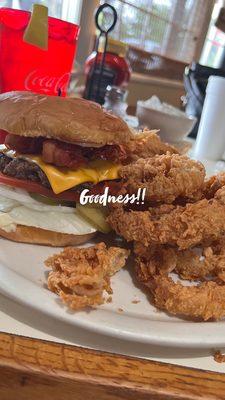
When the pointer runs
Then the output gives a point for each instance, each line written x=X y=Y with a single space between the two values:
x=178 y=238
x=184 y=226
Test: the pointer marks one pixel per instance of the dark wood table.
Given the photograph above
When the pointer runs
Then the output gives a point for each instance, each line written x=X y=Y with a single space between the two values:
x=32 y=369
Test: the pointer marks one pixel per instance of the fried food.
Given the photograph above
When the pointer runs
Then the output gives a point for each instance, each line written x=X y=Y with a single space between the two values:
x=213 y=184
x=204 y=301
x=80 y=276
x=202 y=263
x=183 y=232
x=147 y=144
x=165 y=177
x=219 y=357
x=184 y=226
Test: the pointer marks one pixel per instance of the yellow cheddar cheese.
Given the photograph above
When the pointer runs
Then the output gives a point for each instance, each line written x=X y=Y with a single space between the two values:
x=62 y=179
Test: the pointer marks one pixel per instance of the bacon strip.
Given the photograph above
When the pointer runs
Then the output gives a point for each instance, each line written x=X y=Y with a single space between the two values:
x=64 y=154
x=24 y=145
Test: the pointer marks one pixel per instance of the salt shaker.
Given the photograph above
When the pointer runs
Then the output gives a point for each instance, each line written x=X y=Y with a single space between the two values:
x=210 y=142
x=115 y=100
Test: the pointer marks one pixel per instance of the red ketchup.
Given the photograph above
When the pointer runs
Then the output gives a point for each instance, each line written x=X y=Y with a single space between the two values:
x=116 y=71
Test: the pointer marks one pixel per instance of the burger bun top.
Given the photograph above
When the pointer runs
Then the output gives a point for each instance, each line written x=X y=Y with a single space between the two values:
x=70 y=120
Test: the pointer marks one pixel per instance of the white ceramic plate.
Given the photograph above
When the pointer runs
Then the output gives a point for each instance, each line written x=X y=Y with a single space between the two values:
x=23 y=278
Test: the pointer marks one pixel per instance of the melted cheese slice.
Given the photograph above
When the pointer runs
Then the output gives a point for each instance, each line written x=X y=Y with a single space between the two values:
x=62 y=179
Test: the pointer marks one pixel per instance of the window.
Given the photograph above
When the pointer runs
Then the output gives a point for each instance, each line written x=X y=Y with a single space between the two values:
x=169 y=28
x=213 y=49
x=68 y=10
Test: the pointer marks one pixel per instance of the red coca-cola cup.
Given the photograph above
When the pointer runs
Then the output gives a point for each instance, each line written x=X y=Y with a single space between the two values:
x=27 y=67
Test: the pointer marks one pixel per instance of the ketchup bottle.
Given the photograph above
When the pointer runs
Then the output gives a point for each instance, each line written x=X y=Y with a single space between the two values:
x=116 y=71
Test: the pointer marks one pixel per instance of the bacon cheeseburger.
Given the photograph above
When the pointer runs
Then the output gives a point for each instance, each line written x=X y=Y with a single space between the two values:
x=51 y=148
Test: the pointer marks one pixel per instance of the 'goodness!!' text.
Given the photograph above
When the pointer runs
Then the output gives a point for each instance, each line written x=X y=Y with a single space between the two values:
x=105 y=198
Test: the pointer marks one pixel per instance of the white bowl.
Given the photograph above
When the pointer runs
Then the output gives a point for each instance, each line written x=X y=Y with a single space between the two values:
x=173 y=128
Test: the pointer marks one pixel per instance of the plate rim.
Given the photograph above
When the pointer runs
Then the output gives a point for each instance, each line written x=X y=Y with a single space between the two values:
x=95 y=321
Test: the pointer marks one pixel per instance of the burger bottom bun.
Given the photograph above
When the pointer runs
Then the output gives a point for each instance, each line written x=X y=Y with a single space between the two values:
x=27 y=234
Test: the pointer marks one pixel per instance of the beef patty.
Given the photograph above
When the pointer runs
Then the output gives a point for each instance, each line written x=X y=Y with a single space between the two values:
x=27 y=170
x=23 y=169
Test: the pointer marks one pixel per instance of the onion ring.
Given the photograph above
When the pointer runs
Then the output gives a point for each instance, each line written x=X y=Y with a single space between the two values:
x=213 y=184
x=184 y=226
x=205 y=300
x=165 y=177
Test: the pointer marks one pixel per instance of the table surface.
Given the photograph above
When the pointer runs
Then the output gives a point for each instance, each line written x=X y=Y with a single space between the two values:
x=19 y=320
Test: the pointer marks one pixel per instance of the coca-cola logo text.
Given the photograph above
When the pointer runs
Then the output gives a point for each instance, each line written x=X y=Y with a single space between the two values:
x=46 y=83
